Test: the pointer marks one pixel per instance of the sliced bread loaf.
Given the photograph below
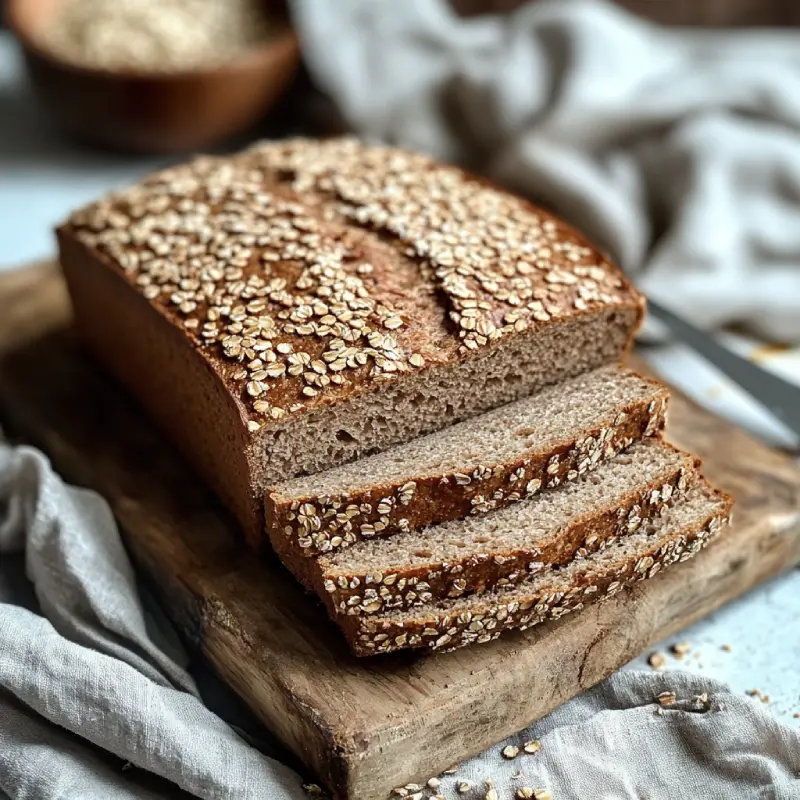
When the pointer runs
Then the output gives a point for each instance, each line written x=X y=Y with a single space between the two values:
x=305 y=303
x=449 y=624
x=470 y=468
x=505 y=547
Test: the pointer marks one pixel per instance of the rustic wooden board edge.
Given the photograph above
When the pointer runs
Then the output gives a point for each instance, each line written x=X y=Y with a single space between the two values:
x=364 y=758
x=604 y=637
x=207 y=623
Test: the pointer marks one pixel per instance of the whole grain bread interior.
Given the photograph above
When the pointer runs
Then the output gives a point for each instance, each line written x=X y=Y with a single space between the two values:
x=472 y=467
x=306 y=303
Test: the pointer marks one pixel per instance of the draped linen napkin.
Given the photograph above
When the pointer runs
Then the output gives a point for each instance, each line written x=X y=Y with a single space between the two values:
x=83 y=671
x=676 y=150
x=96 y=702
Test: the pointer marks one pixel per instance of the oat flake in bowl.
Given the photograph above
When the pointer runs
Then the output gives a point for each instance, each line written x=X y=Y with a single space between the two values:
x=156 y=35
x=156 y=76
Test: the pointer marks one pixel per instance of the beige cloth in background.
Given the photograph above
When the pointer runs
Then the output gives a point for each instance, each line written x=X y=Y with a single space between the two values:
x=89 y=686
x=677 y=151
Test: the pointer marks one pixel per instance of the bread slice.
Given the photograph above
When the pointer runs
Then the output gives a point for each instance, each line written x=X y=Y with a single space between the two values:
x=504 y=547
x=470 y=468
x=449 y=624
x=303 y=304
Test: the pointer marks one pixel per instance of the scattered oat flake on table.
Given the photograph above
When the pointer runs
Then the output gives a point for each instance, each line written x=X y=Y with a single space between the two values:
x=312 y=789
x=533 y=746
x=681 y=649
x=542 y=794
x=754 y=692
x=462 y=787
x=510 y=751
x=433 y=783
x=451 y=771
x=726 y=647
x=666 y=699
x=656 y=660
x=525 y=793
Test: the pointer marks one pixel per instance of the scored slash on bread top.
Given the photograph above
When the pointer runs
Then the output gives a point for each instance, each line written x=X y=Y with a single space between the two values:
x=448 y=624
x=507 y=546
x=306 y=271
x=470 y=468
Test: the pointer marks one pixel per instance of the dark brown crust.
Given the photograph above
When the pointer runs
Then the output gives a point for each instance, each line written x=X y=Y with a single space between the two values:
x=487 y=620
x=174 y=383
x=396 y=280
x=439 y=498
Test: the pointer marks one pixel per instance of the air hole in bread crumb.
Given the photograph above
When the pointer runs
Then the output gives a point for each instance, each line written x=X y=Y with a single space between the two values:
x=343 y=436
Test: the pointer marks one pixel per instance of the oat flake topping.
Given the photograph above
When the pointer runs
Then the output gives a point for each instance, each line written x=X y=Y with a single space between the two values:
x=255 y=257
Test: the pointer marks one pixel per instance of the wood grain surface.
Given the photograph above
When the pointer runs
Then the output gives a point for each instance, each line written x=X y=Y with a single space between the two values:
x=363 y=726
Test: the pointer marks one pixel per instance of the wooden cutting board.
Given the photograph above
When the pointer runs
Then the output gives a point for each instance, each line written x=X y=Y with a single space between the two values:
x=363 y=726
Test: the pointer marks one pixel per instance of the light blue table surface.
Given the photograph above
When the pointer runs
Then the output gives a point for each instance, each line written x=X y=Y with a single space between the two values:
x=42 y=177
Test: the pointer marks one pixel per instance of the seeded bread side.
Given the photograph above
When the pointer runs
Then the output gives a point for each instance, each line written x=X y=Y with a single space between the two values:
x=310 y=524
x=678 y=536
x=505 y=547
x=436 y=573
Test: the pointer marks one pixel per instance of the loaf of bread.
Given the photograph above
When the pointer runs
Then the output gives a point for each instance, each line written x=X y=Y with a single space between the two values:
x=449 y=624
x=470 y=468
x=503 y=547
x=306 y=303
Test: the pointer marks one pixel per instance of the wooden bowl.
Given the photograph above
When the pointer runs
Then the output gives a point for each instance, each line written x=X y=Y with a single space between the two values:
x=153 y=112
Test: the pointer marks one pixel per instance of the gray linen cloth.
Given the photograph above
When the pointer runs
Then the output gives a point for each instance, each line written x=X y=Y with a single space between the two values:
x=89 y=670
x=677 y=151
x=95 y=701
